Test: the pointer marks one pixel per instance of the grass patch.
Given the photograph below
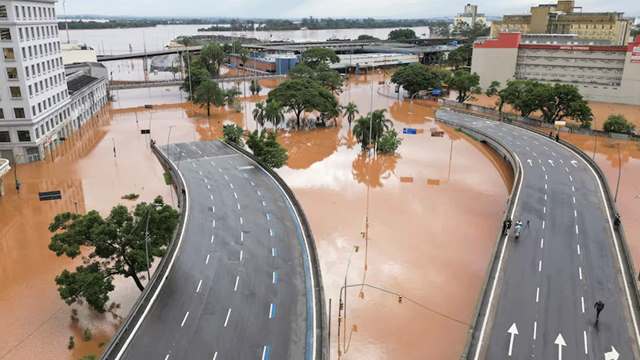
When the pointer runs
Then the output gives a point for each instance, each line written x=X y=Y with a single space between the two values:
x=167 y=178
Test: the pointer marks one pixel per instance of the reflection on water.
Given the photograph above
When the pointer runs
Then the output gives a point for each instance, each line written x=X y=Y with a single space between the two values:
x=385 y=215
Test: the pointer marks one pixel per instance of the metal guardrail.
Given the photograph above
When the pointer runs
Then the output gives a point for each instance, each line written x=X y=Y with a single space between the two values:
x=322 y=350
x=163 y=83
x=117 y=341
x=481 y=308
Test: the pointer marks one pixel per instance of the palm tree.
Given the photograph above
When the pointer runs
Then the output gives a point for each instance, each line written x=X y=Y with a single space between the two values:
x=350 y=112
x=259 y=113
x=274 y=113
x=371 y=127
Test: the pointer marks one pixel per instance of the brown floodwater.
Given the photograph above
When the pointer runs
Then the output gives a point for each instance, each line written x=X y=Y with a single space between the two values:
x=433 y=212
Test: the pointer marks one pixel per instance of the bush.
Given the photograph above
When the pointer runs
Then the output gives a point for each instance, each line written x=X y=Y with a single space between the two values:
x=72 y=343
x=389 y=142
x=87 y=335
x=167 y=178
x=265 y=147
x=131 y=196
x=233 y=134
x=618 y=124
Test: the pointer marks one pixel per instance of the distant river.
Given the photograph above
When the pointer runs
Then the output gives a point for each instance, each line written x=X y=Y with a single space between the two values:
x=115 y=41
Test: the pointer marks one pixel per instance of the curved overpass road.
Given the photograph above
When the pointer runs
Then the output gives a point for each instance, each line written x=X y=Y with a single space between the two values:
x=565 y=260
x=237 y=287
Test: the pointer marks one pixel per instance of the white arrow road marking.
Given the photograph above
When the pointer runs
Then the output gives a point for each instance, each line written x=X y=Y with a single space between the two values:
x=574 y=163
x=551 y=162
x=611 y=355
x=530 y=162
x=560 y=342
x=513 y=331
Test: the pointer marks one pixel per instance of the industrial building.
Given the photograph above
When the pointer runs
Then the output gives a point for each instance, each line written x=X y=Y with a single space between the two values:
x=470 y=17
x=41 y=102
x=565 y=18
x=601 y=72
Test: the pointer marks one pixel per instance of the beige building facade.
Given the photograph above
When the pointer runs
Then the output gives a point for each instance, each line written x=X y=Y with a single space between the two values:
x=601 y=72
x=565 y=18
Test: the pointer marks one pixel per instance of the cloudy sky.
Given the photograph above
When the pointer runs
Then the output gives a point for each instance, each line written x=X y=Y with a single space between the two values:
x=320 y=8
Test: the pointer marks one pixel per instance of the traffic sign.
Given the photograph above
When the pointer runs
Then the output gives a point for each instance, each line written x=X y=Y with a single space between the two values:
x=409 y=131
x=50 y=195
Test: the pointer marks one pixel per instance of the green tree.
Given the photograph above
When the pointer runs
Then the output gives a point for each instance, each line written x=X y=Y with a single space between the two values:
x=465 y=84
x=402 y=35
x=417 y=77
x=562 y=101
x=324 y=75
x=460 y=57
x=232 y=134
x=493 y=88
x=300 y=95
x=267 y=149
x=259 y=113
x=212 y=56
x=274 y=114
x=350 y=111
x=389 y=142
x=231 y=95
x=116 y=244
x=518 y=93
x=365 y=37
x=368 y=129
x=319 y=56
x=618 y=124
x=255 y=87
x=194 y=78
x=209 y=93
x=471 y=32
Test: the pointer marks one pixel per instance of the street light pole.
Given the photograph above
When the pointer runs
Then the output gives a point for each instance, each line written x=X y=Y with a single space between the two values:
x=146 y=244
x=615 y=199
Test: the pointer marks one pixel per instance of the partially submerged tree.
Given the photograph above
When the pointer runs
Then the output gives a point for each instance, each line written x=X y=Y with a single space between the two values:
x=465 y=84
x=259 y=113
x=350 y=111
x=493 y=88
x=370 y=128
x=209 y=93
x=300 y=95
x=402 y=35
x=233 y=134
x=618 y=124
x=417 y=77
x=265 y=147
x=115 y=246
x=274 y=114
x=319 y=56
x=460 y=57
x=212 y=57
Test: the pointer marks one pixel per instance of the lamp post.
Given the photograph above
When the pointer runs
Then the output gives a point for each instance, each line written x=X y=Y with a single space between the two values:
x=615 y=198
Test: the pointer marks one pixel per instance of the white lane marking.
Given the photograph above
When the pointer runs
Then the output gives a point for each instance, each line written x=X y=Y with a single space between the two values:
x=264 y=203
x=274 y=276
x=259 y=193
x=578 y=246
x=213 y=223
x=264 y=352
x=241 y=236
x=543 y=169
x=582 y=303
x=537 y=294
x=208 y=187
x=205 y=180
x=273 y=251
x=235 y=287
x=541 y=243
x=226 y=178
x=573 y=188
x=253 y=184
x=215 y=355
x=577 y=232
x=574 y=199
x=580 y=272
x=544 y=209
x=270 y=232
x=206 y=261
x=226 y=321
x=241 y=254
x=570 y=178
x=231 y=185
x=545 y=186
x=552 y=153
x=213 y=209
x=534 y=154
x=546 y=177
x=198 y=287
x=535 y=329
x=238 y=205
x=540 y=266
x=586 y=349
x=167 y=357
x=268 y=216
x=235 y=195
x=200 y=172
x=543 y=224
x=212 y=237
x=272 y=310
x=213 y=163
x=241 y=220
x=185 y=319
x=566 y=169
x=575 y=213
x=211 y=196
x=545 y=196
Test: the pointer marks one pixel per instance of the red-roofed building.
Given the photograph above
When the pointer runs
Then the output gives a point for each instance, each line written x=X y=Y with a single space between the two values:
x=601 y=72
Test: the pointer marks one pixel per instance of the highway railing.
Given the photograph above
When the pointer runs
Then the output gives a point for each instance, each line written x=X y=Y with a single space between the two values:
x=322 y=341
x=482 y=305
x=115 y=347
x=628 y=265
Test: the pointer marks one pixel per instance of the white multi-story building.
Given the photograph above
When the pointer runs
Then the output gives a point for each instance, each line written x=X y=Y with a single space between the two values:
x=470 y=16
x=35 y=111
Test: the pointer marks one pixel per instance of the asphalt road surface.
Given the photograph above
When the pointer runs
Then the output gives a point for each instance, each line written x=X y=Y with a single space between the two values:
x=237 y=288
x=564 y=261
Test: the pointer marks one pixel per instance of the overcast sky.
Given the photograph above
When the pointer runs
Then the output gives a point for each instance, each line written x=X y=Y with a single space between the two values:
x=320 y=8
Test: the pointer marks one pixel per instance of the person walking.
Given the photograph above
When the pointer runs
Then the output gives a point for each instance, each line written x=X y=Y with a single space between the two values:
x=599 y=306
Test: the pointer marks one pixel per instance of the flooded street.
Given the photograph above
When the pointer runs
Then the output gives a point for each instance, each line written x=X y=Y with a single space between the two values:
x=433 y=213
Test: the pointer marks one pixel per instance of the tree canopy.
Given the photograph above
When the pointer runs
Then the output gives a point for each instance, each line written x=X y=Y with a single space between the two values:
x=212 y=57
x=618 y=124
x=402 y=35
x=327 y=77
x=416 y=77
x=233 y=134
x=370 y=128
x=460 y=57
x=319 y=56
x=209 y=93
x=300 y=95
x=465 y=84
x=116 y=246
x=267 y=149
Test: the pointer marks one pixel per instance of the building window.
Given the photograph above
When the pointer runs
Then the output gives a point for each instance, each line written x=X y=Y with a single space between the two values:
x=5 y=34
x=12 y=73
x=19 y=113
x=1 y=113
x=8 y=54
x=3 y=11
x=24 y=136
x=15 y=91
x=5 y=137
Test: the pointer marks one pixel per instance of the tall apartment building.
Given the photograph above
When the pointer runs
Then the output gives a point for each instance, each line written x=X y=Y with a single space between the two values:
x=601 y=72
x=470 y=16
x=35 y=104
x=565 y=18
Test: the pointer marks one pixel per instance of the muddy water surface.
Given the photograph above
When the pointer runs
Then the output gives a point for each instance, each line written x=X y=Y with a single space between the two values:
x=433 y=211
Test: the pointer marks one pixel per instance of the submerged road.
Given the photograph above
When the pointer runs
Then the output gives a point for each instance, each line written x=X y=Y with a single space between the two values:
x=239 y=287
x=565 y=260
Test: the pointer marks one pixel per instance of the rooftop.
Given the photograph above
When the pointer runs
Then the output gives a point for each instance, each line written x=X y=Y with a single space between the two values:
x=76 y=83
